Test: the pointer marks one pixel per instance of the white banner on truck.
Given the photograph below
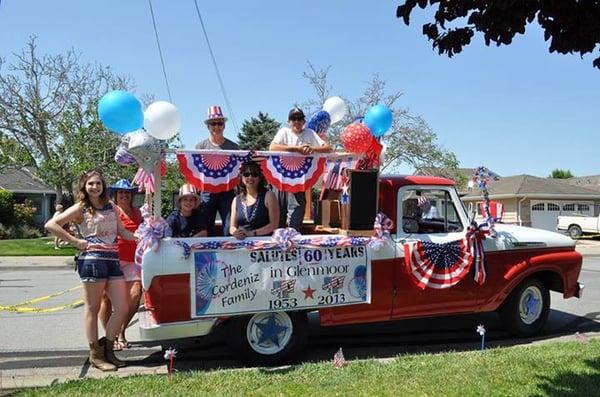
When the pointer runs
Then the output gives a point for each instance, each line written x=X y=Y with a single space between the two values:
x=241 y=281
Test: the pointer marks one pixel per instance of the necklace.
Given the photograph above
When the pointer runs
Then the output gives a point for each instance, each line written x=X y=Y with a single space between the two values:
x=252 y=215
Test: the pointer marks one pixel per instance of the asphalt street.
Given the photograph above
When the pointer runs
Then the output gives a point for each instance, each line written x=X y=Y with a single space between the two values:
x=38 y=347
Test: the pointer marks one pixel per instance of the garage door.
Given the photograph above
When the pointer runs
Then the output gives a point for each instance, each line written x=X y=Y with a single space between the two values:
x=544 y=214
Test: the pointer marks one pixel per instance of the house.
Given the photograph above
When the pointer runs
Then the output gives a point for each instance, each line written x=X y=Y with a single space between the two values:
x=533 y=201
x=24 y=185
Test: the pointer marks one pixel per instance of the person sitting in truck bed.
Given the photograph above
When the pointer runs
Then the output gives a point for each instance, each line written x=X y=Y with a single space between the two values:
x=188 y=220
x=255 y=210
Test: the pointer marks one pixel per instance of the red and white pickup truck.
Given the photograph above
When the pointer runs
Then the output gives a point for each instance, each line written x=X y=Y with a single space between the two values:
x=522 y=266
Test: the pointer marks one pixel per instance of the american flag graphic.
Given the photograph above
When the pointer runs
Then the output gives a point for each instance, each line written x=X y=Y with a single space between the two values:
x=438 y=265
x=283 y=288
x=333 y=284
x=293 y=173
x=338 y=359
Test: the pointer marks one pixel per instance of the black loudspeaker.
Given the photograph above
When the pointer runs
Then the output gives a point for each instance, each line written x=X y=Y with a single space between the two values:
x=363 y=199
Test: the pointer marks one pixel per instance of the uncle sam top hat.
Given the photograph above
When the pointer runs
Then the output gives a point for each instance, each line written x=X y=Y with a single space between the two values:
x=215 y=113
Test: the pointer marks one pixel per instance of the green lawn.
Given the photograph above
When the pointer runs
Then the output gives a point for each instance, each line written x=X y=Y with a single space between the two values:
x=554 y=369
x=33 y=247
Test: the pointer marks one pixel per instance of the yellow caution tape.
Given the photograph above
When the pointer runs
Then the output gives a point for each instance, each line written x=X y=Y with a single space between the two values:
x=19 y=309
x=47 y=297
x=41 y=310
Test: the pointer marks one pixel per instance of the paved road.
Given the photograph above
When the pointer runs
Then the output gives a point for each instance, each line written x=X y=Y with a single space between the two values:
x=36 y=348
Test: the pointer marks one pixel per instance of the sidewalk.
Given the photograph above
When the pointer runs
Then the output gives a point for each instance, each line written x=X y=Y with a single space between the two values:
x=36 y=262
x=588 y=247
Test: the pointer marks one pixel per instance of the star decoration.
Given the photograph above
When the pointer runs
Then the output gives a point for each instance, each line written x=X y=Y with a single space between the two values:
x=309 y=293
x=270 y=330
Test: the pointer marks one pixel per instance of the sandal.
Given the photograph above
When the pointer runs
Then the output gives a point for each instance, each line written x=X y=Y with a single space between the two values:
x=123 y=344
x=117 y=346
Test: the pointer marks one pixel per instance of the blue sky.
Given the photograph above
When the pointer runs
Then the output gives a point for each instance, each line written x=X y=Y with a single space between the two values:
x=515 y=109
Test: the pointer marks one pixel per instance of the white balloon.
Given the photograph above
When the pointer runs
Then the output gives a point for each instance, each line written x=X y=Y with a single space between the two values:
x=162 y=120
x=336 y=108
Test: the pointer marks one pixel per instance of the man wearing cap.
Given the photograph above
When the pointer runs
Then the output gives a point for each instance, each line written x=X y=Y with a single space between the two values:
x=188 y=220
x=296 y=139
x=213 y=202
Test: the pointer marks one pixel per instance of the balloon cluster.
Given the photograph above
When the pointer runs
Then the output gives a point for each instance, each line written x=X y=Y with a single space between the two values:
x=334 y=110
x=143 y=131
x=121 y=112
x=362 y=135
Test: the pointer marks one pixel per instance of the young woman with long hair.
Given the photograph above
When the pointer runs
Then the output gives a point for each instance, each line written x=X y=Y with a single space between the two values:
x=97 y=264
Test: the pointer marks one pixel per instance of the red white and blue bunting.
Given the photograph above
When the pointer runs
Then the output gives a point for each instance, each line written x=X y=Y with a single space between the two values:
x=444 y=265
x=217 y=171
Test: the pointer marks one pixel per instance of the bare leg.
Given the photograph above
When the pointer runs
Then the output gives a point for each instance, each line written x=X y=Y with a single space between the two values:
x=92 y=295
x=117 y=293
x=105 y=310
x=134 y=289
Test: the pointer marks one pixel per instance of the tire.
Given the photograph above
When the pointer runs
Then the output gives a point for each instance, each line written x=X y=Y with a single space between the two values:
x=574 y=232
x=526 y=310
x=288 y=338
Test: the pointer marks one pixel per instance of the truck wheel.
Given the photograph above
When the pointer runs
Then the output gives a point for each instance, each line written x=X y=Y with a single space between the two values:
x=526 y=310
x=574 y=232
x=268 y=338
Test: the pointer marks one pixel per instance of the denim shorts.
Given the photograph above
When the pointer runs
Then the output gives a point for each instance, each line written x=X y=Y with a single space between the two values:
x=98 y=266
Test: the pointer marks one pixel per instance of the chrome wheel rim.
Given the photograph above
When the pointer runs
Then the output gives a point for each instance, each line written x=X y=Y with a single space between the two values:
x=530 y=305
x=269 y=333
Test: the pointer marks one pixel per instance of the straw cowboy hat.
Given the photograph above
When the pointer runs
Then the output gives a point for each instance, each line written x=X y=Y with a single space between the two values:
x=189 y=190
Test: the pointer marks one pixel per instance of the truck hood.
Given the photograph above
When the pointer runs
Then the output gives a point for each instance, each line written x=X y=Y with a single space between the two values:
x=520 y=237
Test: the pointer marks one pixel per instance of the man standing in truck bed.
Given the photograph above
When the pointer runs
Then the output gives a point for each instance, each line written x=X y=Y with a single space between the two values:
x=213 y=202
x=296 y=139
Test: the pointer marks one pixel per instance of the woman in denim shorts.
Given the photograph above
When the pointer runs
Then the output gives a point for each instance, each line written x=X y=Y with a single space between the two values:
x=122 y=194
x=98 y=263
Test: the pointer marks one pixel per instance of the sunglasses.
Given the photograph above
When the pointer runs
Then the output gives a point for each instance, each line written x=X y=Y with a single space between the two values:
x=217 y=123
x=252 y=174
x=296 y=118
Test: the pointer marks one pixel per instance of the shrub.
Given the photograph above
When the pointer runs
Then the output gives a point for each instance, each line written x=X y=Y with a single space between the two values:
x=24 y=213
x=7 y=232
x=7 y=203
x=26 y=231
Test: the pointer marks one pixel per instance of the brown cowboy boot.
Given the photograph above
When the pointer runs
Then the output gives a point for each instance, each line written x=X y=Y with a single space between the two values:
x=109 y=354
x=97 y=359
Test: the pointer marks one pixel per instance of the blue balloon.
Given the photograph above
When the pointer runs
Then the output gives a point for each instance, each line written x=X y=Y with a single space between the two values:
x=319 y=122
x=121 y=112
x=379 y=120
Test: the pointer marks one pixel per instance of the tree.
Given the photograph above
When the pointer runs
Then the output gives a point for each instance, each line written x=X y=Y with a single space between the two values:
x=258 y=132
x=560 y=174
x=571 y=26
x=410 y=140
x=48 y=117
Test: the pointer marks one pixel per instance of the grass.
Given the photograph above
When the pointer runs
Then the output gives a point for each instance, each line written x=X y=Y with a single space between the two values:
x=34 y=247
x=556 y=369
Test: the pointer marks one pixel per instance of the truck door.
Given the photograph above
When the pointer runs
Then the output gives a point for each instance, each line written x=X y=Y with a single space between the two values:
x=430 y=214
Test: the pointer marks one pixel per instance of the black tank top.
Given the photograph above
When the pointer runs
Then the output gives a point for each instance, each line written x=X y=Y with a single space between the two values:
x=252 y=216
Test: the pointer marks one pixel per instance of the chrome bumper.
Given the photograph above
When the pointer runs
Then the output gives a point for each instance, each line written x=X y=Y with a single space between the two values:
x=579 y=290
x=151 y=331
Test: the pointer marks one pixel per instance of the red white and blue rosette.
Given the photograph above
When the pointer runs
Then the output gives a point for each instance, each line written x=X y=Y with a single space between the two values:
x=212 y=172
x=293 y=173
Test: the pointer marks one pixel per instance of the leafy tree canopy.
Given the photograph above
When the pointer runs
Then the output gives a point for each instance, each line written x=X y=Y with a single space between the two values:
x=570 y=26
x=258 y=132
x=560 y=174
x=48 y=117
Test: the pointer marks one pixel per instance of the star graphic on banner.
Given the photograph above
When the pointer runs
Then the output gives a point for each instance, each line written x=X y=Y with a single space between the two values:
x=308 y=293
x=270 y=330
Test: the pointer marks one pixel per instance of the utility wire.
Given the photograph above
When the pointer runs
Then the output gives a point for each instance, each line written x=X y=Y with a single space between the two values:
x=162 y=60
x=214 y=61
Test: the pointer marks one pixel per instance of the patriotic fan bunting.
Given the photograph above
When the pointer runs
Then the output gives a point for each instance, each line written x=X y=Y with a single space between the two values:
x=291 y=173
x=440 y=266
x=211 y=172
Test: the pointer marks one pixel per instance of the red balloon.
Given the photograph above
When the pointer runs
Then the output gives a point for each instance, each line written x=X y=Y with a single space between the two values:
x=356 y=138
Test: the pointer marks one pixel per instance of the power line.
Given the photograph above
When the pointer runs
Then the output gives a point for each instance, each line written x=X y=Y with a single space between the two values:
x=214 y=61
x=162 y=60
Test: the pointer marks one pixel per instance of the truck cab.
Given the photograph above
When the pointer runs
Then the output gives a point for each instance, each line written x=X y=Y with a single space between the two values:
x=522 y=265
